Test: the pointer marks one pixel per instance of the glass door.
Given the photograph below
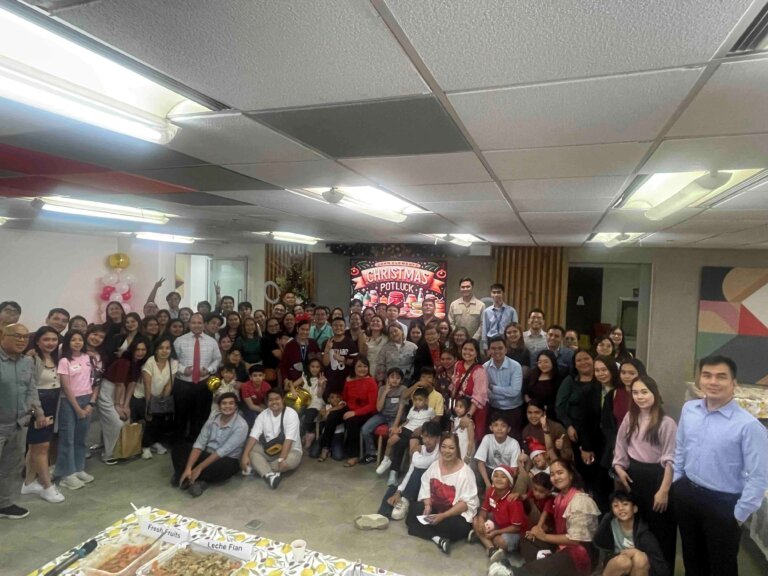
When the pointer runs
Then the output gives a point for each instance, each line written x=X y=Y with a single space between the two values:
x=232 y=277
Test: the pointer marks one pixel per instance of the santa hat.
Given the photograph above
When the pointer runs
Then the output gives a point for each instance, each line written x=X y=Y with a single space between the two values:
x=508 y=471
x=535 y=447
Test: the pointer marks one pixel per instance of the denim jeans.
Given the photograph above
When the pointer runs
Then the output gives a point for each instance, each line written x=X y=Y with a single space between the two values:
x=410 y=492
x=73 y=432
x=368 y=438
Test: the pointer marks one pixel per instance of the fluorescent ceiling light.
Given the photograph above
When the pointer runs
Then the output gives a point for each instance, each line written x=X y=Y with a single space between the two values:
x=295 y=238
x=3 y=220
x=611 y=239
x=165 y=237
x=464 y=240
x=663 y=194
x=368 y=200
x=43 y=70
x=79 y=207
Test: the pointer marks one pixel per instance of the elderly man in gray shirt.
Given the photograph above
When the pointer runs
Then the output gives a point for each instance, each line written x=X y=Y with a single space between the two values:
x=18 y=400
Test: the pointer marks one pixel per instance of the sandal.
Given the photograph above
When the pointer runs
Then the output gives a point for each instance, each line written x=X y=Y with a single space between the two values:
x=351 y=463
x=324 y=455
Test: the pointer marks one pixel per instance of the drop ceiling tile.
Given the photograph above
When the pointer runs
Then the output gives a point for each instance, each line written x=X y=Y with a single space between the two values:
x=593 y=111
x=635 y=221
x=493 y=208
x=675 y=239
x=568 y=161
x=449 y=192
x=469 y=44
x=383 y=128
x=563 y=194
x=454 y=168
x=720 y=214
x=510 y=239
x=93 y=145
x=560 y=239
x=201 y=199
x=754 y=199
x=235 y=140
x=713 y=225
x=206 y=178
x=733 y=101
x=716 y=153
x=259 y=54
x=750 y=236
x=315 y=174
x=560 y=222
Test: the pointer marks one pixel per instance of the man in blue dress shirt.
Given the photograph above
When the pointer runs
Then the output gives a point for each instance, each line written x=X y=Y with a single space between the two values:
x=505 y=386
x=497 y=317
x=721 y=472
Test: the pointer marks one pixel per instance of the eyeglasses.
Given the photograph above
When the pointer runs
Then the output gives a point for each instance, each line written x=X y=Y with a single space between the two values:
x=20 y=337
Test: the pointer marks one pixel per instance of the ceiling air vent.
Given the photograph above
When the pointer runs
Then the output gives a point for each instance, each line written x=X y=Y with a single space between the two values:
x=755 y=37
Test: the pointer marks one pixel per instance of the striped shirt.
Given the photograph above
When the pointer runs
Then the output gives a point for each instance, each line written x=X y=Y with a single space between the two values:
x=210 y=355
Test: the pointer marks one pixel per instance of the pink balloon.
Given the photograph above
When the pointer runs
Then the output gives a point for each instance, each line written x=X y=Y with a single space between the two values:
x=104 y=296
x=127 y=295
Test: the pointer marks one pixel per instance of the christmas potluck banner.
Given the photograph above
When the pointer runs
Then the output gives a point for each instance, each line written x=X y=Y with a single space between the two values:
x=406 y=283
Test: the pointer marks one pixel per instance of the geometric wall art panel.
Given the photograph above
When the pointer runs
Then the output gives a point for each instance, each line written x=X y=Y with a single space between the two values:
x=733 y=319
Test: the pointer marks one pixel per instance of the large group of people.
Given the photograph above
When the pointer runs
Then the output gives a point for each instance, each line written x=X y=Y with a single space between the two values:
x=510 y=436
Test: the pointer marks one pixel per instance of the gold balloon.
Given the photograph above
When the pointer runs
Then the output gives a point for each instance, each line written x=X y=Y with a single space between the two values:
x=119 y=260
x=298 y=399
x=213 y=383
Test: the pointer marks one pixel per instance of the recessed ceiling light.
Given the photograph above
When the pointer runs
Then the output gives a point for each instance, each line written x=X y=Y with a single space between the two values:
x=661 y=195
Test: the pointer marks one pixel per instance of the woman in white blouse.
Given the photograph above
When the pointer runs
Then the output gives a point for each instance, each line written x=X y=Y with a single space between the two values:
x=157 y=378
x=447 y=500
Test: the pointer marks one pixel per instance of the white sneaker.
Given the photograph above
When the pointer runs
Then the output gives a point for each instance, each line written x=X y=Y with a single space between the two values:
x=401 y=509
x=159 y=448
x=32 y=488
x=384 y=466
x=52 y=494
x=392 y=480
x=71 y=482
x=84 y=477
x=146 y=454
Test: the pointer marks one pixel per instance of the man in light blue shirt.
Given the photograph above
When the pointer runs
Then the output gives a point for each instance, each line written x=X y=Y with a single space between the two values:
x=505 y=385
x=497 y=317
x=721 y=471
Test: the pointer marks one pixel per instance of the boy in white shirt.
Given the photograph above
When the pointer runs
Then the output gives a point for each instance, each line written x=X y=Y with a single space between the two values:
x=400 y=437
x=496 y=449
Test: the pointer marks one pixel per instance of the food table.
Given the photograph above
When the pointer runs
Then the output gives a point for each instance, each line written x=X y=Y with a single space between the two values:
x=261 y=556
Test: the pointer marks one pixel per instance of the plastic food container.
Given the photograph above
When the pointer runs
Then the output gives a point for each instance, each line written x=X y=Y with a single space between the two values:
x=163 y=559
x=109 y=548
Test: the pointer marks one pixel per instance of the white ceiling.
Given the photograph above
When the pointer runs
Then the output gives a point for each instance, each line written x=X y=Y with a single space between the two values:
x=561 y=103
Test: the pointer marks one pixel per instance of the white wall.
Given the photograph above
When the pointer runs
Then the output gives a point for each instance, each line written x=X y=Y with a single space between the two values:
x=42 y=270
x=618 y=282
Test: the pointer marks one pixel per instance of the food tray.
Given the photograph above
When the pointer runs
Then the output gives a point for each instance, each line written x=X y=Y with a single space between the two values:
x=107 y=548
x=165 y=557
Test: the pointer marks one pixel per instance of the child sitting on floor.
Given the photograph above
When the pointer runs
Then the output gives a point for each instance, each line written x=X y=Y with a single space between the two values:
x=464 y=428
x=501 y=520
x=625 y=538
x=401 y=437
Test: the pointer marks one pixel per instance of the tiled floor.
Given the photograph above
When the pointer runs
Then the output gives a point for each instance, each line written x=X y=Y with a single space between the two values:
x=318 y=503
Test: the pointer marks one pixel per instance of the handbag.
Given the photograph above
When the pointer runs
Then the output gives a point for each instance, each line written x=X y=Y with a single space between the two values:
x=161 y=405
x=274 y=446
x=129 y=443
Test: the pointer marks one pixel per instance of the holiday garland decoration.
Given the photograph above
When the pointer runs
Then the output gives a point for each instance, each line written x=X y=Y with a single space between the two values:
x=392 y=250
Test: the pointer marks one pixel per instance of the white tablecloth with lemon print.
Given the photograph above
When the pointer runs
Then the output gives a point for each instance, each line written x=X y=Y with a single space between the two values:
x=269 y=558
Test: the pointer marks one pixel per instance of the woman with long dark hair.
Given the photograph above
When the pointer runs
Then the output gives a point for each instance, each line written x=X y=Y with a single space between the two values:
x=79 y=398
x=543 y=382
x=470 y=380
x=249 y=342
x=516 y=348
x=38 y=478
x=232 y=326
x=620 y=351
x=157 y=377
x=458 y=337
x=575 y=518
x=643 y=461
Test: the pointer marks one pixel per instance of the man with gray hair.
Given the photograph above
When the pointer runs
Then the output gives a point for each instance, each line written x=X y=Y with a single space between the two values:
x=18 y=400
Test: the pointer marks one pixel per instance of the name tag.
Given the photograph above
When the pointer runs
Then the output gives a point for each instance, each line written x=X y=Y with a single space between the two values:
x=240 y=550
x=75 y=367
x=170 y=534
x=492 y=502
x=395 y=400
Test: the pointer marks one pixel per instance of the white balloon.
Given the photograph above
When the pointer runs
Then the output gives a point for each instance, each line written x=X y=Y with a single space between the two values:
x=126 y=307
x=122 y=287
x=115 y=297
x=128 y=278
x=109 y=279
